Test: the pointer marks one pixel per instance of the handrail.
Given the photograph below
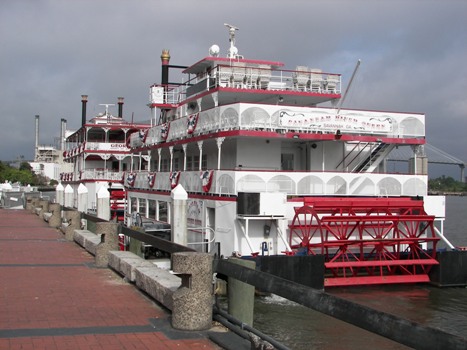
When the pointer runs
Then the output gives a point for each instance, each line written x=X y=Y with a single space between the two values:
x=174 y=93
x=207 y=242
x=368 y=144
x=348 y=154
x=160 y=243
x=396 y=328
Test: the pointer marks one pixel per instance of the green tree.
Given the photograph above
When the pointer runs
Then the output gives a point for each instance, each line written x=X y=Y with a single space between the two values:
x=24 y=175
x=446 y=184
x=25 y=166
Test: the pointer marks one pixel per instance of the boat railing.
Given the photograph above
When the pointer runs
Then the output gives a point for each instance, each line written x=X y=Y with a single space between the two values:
x=106 y=146
x=246 y=116
x=297 y=183
x=204 y=238
x=256 y=77
x=101 y=174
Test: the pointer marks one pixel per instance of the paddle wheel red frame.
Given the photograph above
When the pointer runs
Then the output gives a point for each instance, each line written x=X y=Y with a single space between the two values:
x=117 y=204
x=366 y=240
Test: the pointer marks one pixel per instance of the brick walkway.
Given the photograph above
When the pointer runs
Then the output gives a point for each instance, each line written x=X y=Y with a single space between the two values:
x=53 y=297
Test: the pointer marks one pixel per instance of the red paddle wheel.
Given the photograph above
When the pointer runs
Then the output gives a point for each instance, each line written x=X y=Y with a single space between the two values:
x=366 y=240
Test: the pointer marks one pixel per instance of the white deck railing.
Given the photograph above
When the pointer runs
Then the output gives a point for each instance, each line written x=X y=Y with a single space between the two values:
x=225 y=182
x=101 y=174
x=256 y=77
x=246 y=116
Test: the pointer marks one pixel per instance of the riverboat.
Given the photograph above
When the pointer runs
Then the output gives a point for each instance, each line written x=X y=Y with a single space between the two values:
x=273 y=164
x=98 y=155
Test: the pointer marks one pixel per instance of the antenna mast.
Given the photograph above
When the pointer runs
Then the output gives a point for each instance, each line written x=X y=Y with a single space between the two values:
x=232 y=50
x=341 y=102
x=107 y=105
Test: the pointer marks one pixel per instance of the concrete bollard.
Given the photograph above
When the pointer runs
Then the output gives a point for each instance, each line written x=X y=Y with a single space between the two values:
x=29 y=205
x=45 y=208
x=109 y=241
x=73 y=217
x=241 y=295
x=56 y=210
x=44 y=205
x=34 y=204
x=193 y=301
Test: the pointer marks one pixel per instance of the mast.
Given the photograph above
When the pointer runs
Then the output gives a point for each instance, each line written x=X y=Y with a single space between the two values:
x=341 y=102
x=233 y=51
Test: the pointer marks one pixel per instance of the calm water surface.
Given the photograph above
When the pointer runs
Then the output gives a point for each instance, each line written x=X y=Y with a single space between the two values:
x=301 y=328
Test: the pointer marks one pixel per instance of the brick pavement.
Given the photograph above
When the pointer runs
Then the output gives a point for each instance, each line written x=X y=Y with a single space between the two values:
x=53 y=297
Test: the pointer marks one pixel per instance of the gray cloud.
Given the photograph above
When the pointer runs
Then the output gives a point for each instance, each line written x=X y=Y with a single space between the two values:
x=413 y=55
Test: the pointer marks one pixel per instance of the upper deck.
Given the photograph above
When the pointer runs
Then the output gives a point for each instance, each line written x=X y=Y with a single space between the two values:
x=101 y=138
x=250 y=81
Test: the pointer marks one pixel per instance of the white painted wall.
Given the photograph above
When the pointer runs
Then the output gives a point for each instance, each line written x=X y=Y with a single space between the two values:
x=259 y=154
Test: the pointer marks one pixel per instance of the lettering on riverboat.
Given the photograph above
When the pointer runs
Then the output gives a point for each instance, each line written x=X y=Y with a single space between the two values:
x=333 y=122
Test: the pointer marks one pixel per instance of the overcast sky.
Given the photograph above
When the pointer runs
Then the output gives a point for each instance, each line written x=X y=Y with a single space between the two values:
x=413 y=52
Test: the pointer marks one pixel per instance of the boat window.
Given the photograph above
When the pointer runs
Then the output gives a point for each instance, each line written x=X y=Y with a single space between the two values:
x=165 y=165
x=192 y=163
x=142 y=207
x=163 y=211
x=287 y=161
x=176 y=164
x=152 y=209
x=133 y=204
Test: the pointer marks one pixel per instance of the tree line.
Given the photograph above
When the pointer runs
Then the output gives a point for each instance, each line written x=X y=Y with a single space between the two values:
x=446 y=184
x=22 y=174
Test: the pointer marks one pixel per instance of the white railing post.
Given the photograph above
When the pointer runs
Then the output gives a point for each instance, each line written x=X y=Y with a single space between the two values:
x=103 y=203
x=59 y=194
x=178 y=213
x=68 y=201
x=82 y=198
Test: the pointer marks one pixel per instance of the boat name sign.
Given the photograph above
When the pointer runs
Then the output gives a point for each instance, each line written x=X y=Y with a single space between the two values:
x=333 y=122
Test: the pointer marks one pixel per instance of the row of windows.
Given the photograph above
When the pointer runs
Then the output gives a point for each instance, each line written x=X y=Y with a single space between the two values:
x=150 y=208
x=192 y=164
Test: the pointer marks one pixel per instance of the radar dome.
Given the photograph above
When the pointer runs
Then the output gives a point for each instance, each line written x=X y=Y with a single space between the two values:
x=214 y=51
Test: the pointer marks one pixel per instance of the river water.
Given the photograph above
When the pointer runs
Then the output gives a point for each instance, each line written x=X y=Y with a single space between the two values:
x=446 y=308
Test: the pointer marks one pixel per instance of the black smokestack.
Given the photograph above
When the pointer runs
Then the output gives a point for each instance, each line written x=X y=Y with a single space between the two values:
x=84 y=100
x=120 y=107
x=165 y=59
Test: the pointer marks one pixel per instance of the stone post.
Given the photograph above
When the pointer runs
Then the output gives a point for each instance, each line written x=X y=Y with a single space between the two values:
x=103 y=203
x=29 y=201
x=56 y=218
x=74 y=223
x=82 y=200
x=178 y=219
x=109 y=241
x=241 y=295
x=44 y=205
x=45 y=208
x=68 y=201
x=34 y=204
x=193 y=301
